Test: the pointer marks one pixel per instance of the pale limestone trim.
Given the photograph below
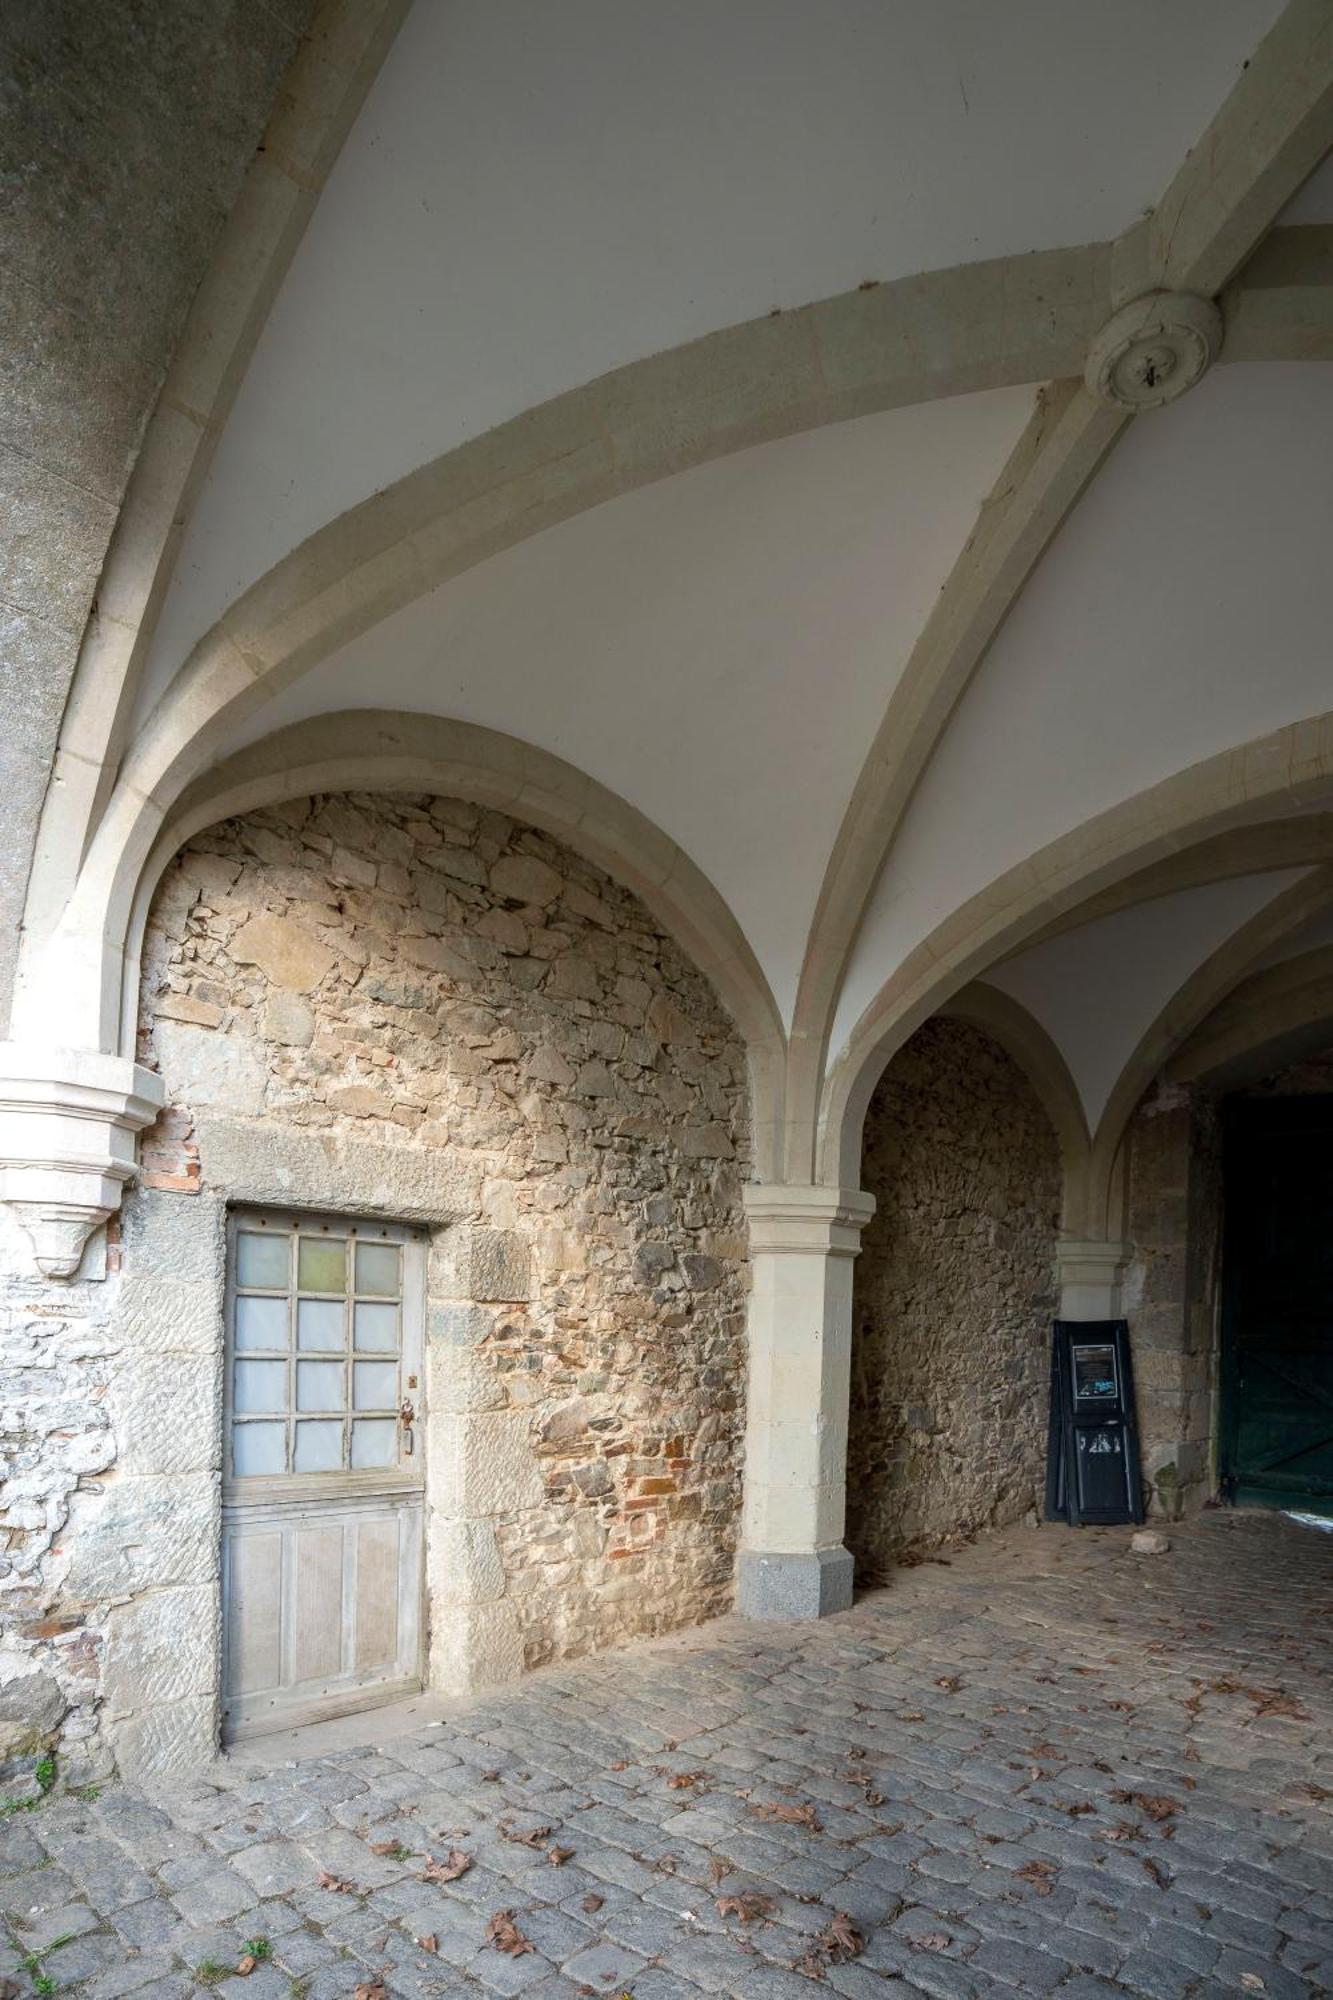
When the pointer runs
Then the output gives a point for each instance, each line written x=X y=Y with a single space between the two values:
x=803 y=1241
x=1188 y=1007
x=1022 y=1037
x=1266 y=140
x=1242 y=850
x=422 y=753
x=337 y=62
x=1290 y=767
x=1066 y=440
x=1262 y=1023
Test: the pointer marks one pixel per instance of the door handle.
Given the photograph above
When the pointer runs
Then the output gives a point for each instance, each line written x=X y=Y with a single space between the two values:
x=407 y=1416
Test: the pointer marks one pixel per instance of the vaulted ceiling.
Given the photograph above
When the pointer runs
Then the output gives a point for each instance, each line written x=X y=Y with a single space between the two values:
x=695 y=394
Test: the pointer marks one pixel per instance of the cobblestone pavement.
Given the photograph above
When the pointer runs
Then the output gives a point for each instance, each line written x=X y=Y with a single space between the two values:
x=1048 y=1766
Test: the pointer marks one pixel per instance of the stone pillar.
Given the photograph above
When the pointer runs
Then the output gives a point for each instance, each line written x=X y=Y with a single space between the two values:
x=802 y=1242
x=1089 y=1272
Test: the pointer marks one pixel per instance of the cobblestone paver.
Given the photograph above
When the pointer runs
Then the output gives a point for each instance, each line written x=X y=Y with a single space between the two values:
x=1047 y=1767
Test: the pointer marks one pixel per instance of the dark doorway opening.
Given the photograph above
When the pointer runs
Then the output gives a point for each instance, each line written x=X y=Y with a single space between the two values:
x=1277 y=1303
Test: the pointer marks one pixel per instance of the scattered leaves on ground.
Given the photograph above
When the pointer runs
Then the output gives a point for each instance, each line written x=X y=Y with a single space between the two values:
x=337 y=1884
x=505 y=1934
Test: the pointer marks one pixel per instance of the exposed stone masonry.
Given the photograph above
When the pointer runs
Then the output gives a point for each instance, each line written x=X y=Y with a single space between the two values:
x=954 y=1295
x=468 y=1023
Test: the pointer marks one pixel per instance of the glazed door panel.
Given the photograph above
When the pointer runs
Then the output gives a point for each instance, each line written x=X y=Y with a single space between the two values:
x=322 y=1488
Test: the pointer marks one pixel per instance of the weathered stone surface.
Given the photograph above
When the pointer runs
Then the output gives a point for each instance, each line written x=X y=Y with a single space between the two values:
x=284 y=950
x=953 y=1298
x=581 y=1428
x=212 y=1070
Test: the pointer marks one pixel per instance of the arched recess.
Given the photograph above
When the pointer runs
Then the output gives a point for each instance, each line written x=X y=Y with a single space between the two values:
x=1290 y=770
x=1277 y=1016
x=1007 y=1022
x=375 y=751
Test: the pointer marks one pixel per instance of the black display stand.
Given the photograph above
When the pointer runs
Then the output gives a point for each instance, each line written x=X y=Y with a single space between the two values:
x=1092 y=1451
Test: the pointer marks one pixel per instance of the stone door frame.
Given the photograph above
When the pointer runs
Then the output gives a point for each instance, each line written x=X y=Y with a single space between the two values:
x=163 y=1671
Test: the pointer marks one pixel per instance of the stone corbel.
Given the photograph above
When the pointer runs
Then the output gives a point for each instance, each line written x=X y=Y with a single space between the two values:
x=69 y=1120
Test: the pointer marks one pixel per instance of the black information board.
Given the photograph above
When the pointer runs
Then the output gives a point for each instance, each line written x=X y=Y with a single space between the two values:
x=1092 y=1457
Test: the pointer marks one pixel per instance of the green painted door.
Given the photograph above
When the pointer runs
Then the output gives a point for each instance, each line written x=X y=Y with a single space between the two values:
x=1277 y=1325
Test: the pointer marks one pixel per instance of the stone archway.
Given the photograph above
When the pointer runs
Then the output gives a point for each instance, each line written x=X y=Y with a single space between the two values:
x=953 y=1295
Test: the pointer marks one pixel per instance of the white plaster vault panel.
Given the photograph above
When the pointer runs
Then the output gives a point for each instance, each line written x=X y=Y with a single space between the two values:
x=1184 y=607
x=534 y=194
x=1098 y=989
x=717 y=648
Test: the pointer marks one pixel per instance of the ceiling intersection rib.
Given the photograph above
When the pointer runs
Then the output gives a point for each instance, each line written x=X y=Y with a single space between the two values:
x=1167 y=270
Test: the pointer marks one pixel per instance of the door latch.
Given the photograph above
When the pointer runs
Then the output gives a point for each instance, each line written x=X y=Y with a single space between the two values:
x=407 y=1416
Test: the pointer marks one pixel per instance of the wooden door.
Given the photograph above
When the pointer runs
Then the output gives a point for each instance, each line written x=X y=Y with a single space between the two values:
x=322 y=1484
x=1277 y=1326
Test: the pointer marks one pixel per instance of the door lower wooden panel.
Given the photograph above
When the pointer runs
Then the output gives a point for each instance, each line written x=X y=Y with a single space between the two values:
x=322 y=1607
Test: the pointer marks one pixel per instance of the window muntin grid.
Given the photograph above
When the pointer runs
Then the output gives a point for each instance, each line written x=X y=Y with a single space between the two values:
x=316 y=1355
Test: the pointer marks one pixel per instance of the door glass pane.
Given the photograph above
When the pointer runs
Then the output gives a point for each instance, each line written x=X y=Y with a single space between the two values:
x=320 y=1324
x=319 y=1385
x=319 y=1446
x=1094 y=1374
x=261 y=1385
x=374 y=1443
x=322 y=1264
x=262 y=1261
x=376 y=1329
x=374 y=1385
x=258 y=1448
x=377 y=1269
x=262 y=1323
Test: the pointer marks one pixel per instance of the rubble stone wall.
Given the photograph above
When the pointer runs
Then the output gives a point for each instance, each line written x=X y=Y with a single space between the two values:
x=954 y=1294
x=420 y=1009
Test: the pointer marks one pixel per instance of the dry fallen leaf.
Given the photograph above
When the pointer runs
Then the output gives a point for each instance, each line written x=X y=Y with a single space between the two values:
x=683 y=1781
x=455 y=1863
x=558 y=1856
x=246 y=1964
x=749 y=1908
x=841 y=1939
x=592 y=1904
x=371 y=1989
x=505 y=1934
x=811 y=1964
x=428 y=1943
x=337 y=1884
x=384 y=1847
x=1155 y=1806
x=1252 y=1982
x=949 y=1682
x=936 y=1940
x=1158 y=1875
x=789 y=1815
x=911 y=1715
x=1039 y=1874
x=534 y=1836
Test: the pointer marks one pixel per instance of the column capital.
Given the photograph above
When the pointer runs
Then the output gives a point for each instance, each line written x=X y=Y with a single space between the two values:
x=794 y=1219
x=1089 y=1271
x=69 y=1119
